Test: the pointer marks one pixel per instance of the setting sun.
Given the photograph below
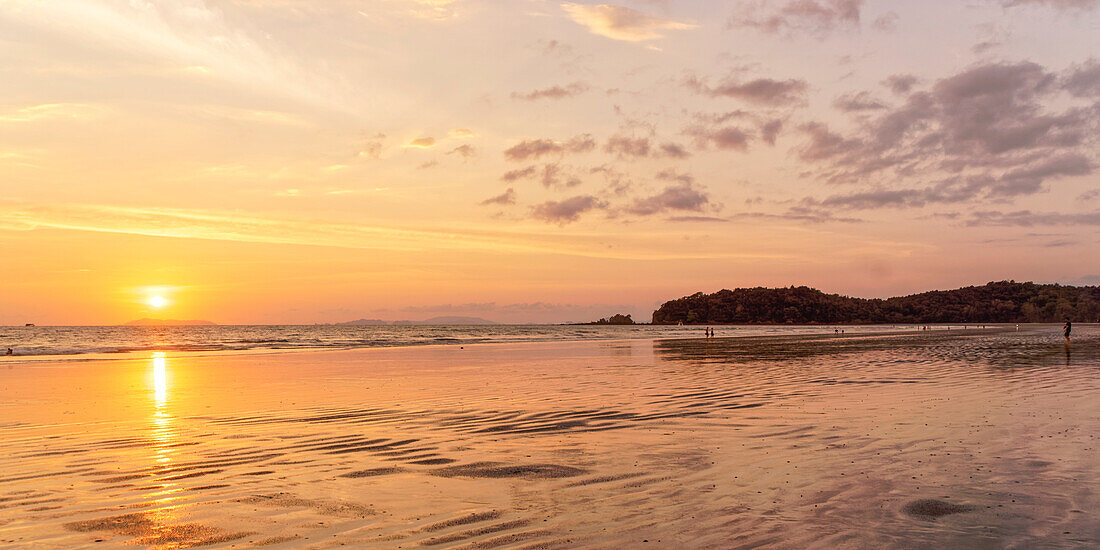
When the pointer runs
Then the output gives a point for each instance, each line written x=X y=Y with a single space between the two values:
x=158 y=301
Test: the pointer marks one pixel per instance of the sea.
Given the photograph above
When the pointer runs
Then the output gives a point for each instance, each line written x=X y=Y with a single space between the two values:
x=100 y=342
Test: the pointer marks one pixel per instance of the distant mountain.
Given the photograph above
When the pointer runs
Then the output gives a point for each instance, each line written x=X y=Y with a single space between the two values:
x=166 y=323
x=447 y=320
x=1000 y=302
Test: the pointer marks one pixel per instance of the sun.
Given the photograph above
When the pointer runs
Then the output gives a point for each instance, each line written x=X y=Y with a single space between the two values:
x=158 y=301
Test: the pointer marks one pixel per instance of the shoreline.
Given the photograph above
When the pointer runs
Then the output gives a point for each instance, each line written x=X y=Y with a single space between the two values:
x=21 y=359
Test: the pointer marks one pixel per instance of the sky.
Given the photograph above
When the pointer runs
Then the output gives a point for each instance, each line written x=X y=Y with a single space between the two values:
x=313 y=161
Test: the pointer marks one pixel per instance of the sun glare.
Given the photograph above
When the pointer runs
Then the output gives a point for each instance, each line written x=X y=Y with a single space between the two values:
x=158 y=301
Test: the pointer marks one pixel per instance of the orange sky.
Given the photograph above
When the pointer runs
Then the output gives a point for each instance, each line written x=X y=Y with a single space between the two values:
x=261 y=161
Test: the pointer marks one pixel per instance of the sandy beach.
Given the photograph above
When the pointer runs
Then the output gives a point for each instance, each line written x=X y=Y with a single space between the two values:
x=958 y=439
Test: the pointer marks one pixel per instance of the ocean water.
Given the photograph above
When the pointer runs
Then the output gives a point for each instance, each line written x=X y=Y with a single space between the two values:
x=94 y=342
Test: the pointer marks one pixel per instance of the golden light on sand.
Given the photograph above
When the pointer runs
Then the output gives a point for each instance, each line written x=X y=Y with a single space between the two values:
x=160 y=378
x=158 y=301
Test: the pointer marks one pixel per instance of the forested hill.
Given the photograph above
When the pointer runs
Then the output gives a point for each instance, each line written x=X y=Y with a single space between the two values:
x=1003 y=302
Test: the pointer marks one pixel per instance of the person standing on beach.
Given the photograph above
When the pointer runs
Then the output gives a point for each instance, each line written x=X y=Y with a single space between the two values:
x=1067 y=328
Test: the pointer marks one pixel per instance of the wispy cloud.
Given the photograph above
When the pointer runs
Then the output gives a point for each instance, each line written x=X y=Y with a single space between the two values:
x=231 y=226
x=619 y=23
x=553 y=92
x=421 y=143
x=52 y=112
x=188 y=35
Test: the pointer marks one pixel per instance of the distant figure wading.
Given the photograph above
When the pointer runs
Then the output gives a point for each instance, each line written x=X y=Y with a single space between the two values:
x=1067 y=328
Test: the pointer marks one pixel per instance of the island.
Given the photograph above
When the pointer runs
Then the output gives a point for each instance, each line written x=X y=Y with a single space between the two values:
x=994 y=302
x=617 y=319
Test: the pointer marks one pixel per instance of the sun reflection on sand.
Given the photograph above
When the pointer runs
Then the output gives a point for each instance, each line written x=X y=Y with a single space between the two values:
x=162 y=433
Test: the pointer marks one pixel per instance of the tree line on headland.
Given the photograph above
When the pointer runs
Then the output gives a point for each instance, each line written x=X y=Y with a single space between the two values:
x=995 y=302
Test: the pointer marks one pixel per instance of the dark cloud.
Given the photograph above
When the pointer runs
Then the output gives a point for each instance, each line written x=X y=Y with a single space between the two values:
x=506 y=198
x=861 y=101
x=553 y=92
x=985 y=133
x=683 y=196
x=1083 y=80
x=727 y=137
x=824 y=144
x=797 y=16
x=557 y=176
x=674 y=150
x=769 y=131
x=566 y=211
x=519 y=174
x=622 y=146
x=767 y=92
x=802 y=214
x=1027 y=218
x=900 y=84
x=536 y=148
x=697 y=219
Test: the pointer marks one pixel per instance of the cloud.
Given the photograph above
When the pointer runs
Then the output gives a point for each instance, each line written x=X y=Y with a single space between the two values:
x=619 y=23
x=861 y=101
x=1019 y=181
x=824 y=144
x=557 y=176
x=553 y=92
x=461 y=133
x=173 y=34
x=683 y=196
x=464 y=151
x=1027 y=218
x=730 y=138
x=769 y=131
x=900 y=84
x=986 y=132
x=1058 y=4
x=536 y=148
x=373 y=148
x=422 y=143
x=566 y=211
x=622 y=146
x=53 y=112
x=766 y=92
x=797 y=16
x=696 y=219
x=518 y=174
x=801 y=214
x=1083 y=80
x=674 y=150
x=508 y=197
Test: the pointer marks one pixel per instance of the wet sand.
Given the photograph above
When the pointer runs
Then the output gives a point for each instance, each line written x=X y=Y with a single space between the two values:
x=968 y=439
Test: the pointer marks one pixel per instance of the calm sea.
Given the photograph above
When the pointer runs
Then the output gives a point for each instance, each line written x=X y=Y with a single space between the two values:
x=88 y=342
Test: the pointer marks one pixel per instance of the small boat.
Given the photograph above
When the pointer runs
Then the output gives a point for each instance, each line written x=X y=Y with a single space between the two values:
x=29 y=325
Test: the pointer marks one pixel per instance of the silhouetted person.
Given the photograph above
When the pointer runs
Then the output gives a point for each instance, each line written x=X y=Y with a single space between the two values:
x=10 y=352
x=1067 y=328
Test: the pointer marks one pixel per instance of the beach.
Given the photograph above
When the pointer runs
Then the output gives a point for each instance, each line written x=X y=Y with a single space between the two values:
x=977 y=438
